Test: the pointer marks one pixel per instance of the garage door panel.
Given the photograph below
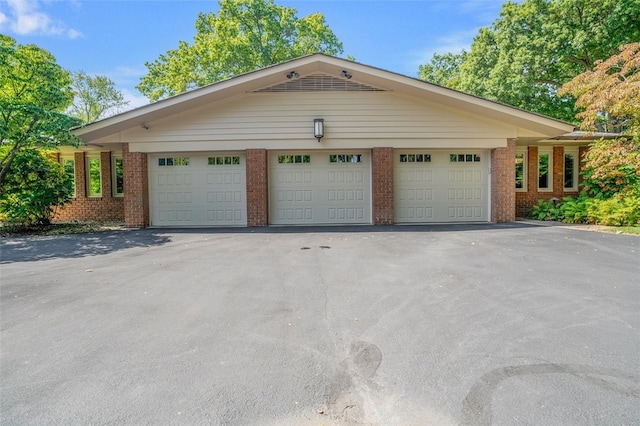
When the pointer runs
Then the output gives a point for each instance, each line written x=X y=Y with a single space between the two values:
x=443 y=187
x=314 y=190
x=197 y=189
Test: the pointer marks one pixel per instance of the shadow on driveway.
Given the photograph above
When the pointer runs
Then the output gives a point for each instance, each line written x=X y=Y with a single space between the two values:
x=29 y=249
x=337 y=229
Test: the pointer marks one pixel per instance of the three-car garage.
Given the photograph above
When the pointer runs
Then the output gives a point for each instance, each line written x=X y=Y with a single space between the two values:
x=318 y=187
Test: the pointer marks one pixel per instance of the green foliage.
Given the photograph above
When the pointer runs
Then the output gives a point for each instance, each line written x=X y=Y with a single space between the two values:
x=443 y=69
x=34 y=92
x=537 y=45
x=574 y=210
x=94 y=97
x=33 y=189
x=245 y=35
x=612 y=167
x=620 y=210
x=609 y=94
x=545 y=210
x=616 y=211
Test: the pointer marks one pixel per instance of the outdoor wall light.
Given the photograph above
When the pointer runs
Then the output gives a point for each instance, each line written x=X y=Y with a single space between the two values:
x=292 y=74
x=346 y=74
x=318 y=128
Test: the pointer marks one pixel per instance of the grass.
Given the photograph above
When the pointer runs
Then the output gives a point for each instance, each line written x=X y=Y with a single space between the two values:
x=630 y=230
x=58 y=228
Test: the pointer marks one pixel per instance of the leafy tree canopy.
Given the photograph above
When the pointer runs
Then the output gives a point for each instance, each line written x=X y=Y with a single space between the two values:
x=536 y=46
x=36 y=186
x=244 y=36
x=95 y=97
x=34 y=92
x=609 y=94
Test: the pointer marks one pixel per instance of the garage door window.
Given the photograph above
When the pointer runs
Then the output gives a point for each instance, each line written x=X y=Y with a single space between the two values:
x=294 y=159
x=173 y=161
x=345 y=158
x=464 y=158
x=415 y=158
x=224 y=161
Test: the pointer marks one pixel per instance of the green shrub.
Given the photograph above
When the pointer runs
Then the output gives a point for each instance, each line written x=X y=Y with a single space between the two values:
x=616 y=211
x=574 y=210
x=546 y=210
x=34 y=187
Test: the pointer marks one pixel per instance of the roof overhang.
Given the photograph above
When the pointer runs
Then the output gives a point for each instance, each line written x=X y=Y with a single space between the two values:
x=536 y=126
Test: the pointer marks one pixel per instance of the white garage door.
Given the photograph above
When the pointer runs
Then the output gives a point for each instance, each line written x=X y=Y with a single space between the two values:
x=197 y=189
x=441 y=186
x=319 y=188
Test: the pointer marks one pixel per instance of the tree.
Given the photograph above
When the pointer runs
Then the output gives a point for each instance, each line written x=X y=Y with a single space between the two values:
x=34 y=188
x=609 y=94
x=94 y=97
x=244 y=36
x=443 y=69
x=537 y=45
x=34 y=92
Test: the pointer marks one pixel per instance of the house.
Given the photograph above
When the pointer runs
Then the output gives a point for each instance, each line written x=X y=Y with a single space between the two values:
x=319 y=140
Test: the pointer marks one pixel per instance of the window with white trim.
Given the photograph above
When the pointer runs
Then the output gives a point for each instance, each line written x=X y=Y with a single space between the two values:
x=570 y=169
x=545 y=169
x=117 y=176
x=521 y=169
x=94 y=175
x=69 y=166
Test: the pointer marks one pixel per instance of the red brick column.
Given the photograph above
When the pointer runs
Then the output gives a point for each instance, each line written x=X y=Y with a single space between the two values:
x=105 y=173
x=558 y=171
x=81 y=184
x=382 y=185
x=136 y=188
x=257 y=188
x=503 y=183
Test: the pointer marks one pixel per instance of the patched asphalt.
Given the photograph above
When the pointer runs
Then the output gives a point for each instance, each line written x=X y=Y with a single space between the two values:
x=443 y=324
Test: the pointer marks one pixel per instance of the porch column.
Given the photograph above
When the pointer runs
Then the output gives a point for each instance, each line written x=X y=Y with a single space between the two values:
x=136 y=188
x=503 y=183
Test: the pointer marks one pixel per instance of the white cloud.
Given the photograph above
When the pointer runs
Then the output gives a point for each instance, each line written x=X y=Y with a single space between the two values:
x=136 y=100
x=452 y=42
x=24 y=17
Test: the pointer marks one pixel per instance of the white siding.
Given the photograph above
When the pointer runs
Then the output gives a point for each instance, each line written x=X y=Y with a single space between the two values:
x=284 y=121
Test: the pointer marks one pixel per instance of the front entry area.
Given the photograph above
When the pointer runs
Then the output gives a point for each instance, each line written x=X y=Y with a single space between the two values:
x=328 y=187
x=198 y=189
x=441 y=186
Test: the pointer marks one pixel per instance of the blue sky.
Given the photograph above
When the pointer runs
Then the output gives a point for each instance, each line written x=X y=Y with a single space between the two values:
x=116 y=38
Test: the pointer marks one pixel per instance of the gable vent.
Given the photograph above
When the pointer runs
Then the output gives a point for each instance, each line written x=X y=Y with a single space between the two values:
x=320 y=83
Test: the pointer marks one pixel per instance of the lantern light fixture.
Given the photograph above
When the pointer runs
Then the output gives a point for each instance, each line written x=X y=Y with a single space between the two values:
x=318 y=128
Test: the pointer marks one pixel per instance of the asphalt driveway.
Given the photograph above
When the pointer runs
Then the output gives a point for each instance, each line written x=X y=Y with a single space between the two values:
x=478 y=324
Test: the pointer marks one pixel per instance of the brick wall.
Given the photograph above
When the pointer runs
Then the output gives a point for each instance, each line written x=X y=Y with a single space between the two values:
x=528 y=199
x=257 y=187
x=136 y=187
x=83 y=208
x=382 y=185
x=503 y=183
